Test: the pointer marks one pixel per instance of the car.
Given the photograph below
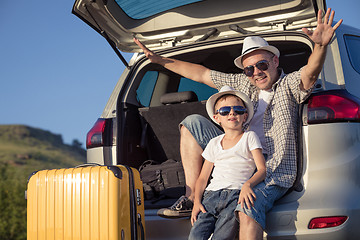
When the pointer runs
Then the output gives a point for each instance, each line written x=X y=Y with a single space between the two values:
x=138 y=123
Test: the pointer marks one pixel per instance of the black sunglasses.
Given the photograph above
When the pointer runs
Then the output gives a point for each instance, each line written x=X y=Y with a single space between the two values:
x=224 y=111
x=262 y=65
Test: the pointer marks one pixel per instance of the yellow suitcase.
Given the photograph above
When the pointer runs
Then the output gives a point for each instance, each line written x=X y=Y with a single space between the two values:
x=85 y=203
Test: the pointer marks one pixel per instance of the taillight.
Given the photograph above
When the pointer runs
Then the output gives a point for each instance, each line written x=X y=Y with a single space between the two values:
x=333 y=106
x=327 y=222
x=100 y=134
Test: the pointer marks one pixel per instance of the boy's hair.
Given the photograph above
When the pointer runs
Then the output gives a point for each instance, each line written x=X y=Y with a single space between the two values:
x=226 y=96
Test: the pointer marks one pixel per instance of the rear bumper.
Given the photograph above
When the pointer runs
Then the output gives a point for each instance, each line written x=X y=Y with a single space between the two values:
x=164 y=228
x=287 y=220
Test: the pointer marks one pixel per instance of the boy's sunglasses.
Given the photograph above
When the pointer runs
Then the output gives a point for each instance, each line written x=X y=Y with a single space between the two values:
x=262 y=65
x=224 y=111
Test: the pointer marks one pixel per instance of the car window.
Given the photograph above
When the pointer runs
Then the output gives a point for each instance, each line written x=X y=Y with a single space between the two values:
x=144 y=92
x=140 y=9
x=202 y=91
x=146 y=88
x=353 y=48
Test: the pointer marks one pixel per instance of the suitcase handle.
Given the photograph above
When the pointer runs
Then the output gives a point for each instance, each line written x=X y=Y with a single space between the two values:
x=141 y=227
x=88 y=165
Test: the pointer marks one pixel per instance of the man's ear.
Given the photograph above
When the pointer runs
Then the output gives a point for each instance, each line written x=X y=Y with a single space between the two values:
x=276 y=61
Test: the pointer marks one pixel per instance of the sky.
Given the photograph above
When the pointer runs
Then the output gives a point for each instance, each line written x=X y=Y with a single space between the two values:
x=57 y=73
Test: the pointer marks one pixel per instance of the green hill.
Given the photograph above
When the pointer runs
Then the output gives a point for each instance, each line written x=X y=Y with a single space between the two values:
x=34 y=149
x=24 y=150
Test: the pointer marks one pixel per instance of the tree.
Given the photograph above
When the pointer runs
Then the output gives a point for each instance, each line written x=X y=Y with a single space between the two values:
x=76 y=144
x=12 y=203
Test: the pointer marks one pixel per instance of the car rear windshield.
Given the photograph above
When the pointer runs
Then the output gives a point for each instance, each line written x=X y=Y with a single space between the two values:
x=140 y=9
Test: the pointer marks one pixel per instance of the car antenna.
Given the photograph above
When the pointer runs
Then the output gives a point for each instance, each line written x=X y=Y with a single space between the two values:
x=111 y=42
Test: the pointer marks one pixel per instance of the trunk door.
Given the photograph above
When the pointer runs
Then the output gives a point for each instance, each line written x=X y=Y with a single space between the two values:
x=162 y=24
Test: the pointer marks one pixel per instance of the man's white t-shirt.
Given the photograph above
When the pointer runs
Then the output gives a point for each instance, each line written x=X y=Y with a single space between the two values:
x=256 y=123
x=234 y=166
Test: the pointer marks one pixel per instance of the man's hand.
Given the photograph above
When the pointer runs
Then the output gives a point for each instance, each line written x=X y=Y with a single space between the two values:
x=154 y=58
x=195 y=72
x=324 y=31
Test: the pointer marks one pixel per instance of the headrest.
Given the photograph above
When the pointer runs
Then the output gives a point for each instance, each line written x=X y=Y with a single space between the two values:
x=178 y=97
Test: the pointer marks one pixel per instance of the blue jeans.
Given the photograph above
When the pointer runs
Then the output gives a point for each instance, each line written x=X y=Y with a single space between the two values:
x=202 y=129
x=219 y=218
x=266 y=195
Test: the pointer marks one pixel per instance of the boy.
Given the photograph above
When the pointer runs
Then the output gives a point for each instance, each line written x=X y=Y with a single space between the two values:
x=234 y=156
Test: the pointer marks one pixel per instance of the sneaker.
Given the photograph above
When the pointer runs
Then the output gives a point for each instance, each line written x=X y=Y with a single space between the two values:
x=181 y=208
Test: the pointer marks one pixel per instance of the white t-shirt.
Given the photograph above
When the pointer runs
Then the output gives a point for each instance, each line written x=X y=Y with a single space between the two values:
x=234 y=166
x=256 y=123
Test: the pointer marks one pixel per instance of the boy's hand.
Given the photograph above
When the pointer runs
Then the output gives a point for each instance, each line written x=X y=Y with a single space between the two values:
x=195 y=212
x=247 y=196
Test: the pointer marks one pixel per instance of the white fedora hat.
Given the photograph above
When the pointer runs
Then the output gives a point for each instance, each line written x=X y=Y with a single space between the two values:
x=254 y=43
x=229 y=90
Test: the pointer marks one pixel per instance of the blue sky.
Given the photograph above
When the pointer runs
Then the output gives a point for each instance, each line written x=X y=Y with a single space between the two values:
x=57 y=73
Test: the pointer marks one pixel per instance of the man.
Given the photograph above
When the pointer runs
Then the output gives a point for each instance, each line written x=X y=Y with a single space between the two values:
x=276 y=97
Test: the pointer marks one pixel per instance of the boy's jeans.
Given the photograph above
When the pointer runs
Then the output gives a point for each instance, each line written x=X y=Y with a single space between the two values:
x=219 y=218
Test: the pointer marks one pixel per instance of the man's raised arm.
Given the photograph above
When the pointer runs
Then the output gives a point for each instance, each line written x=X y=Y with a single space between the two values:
x=192 y=71
x=321 y=37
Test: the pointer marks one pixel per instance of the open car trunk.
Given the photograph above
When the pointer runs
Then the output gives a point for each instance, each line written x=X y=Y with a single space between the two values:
x=150 y=128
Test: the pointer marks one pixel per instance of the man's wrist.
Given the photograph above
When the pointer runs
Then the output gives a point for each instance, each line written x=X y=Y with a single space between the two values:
x=320 y=47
